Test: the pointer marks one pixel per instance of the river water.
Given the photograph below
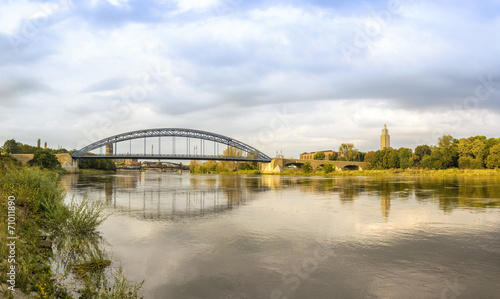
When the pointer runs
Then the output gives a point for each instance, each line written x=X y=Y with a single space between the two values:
x=220 y=236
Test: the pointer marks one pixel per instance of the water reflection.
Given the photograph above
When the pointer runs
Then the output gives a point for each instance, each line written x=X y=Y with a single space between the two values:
x=239 y=236
x=159 y=195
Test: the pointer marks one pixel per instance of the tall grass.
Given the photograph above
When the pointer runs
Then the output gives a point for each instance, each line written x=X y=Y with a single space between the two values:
x=78 y=246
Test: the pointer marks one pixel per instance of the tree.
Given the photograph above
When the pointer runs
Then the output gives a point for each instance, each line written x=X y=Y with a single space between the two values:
x=328 y=167
x=232 y=152
x=448 y=148
x=405 y=155
x=333 y=157
x=493 y=160
x=38 y=143
x=45 y=159
x=347 y=152
x=435 y=160
x=446 y=141
x=369 y=156
x=307 y=167
x=423 y=150
x=319 y=156
x=11 y=146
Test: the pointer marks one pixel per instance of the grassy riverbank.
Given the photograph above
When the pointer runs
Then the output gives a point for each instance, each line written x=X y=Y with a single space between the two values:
x=36 y=206
x=96 y=171
x=398 y=172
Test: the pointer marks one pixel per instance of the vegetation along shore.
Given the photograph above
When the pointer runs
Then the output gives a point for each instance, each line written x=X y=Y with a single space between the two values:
x=49 y=248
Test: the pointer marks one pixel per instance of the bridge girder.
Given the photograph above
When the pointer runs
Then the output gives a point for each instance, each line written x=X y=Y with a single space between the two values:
x=174 y=132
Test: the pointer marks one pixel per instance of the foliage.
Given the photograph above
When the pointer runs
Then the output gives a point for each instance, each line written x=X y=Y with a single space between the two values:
x=347 y=152
x=35 y=190
x=493 y=160
x=40 y=207
x=328 y=167
x=307 y=167
x=423 y=150
x=232 y=152
x=333 y=157
x=369 y=156
x=319 y=156
x=101 y=164
x=13 y=147
x=45 y=159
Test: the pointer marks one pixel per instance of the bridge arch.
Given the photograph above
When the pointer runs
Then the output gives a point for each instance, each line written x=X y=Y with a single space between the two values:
x=174 y=132
x=351 y=167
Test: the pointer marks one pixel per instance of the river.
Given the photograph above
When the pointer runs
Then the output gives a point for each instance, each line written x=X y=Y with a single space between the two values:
x=222 y=236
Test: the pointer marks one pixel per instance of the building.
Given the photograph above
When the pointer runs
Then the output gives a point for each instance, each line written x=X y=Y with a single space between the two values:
x=385 y=139
x=328 y=153
x=109 y=149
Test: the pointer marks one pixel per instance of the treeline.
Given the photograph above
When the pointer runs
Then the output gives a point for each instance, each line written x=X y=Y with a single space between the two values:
x=45 y=157
x=347 y=152
x=224 y=166
x=220 y=167
x=13 y=147
x=101 y=164
x=476 y=152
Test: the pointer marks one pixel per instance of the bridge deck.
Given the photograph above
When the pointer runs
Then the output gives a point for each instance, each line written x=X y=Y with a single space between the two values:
x=171 y=157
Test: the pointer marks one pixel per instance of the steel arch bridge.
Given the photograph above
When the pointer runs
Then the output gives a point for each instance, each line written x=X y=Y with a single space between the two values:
x=248 y=153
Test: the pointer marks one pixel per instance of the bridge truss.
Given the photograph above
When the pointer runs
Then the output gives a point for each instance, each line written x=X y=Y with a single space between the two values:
x=248 y=153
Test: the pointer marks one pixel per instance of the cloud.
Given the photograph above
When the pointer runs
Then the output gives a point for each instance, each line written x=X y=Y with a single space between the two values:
x=228 y=66
x=107 y=84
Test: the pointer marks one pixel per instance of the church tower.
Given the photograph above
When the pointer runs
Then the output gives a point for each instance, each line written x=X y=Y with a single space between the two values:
x=385 y=139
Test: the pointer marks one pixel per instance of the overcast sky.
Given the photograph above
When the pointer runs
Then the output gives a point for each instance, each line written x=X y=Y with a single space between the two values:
x=296 y=76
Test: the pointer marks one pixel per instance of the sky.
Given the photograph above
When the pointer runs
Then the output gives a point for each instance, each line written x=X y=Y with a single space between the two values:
x=291 y=76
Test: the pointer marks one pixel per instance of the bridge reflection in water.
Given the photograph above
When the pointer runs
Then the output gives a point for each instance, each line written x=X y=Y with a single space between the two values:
x=152 y=195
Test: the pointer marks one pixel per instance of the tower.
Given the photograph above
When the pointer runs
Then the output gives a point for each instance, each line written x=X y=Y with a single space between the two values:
x=109 y=149
x=385 y=139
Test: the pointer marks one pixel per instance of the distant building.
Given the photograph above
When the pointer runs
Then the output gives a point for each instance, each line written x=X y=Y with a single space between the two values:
x=109 y=149
x=310 y=156
x=385 y=139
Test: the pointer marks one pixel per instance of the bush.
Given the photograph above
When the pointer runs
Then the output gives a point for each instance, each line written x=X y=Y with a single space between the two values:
x=328 y=167
x=307 y=167
x=45 y=159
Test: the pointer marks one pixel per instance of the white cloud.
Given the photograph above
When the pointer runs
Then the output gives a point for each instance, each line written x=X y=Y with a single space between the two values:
x=240 y=67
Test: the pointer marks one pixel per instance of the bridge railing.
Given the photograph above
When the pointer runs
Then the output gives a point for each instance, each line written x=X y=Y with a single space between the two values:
x=171 y=156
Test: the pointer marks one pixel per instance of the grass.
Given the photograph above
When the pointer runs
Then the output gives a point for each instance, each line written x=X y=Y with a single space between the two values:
x=95 y=171
x=77 y=245
x=397 y=172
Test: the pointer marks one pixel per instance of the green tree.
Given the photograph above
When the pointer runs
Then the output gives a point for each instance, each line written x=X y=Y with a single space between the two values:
x=319 y=156
x=333 y=157
x=435 y=160
x=347 y=152
x=45 y=159
x=448 y=148
x=405 y=155
x=328 y=167
x=369 y=156
x=493 y=160
x=423 y=150
x=11 y=146
x=307 y=167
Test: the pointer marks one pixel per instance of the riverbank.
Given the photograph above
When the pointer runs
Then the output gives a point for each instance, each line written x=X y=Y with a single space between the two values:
x=387 y=172
x=46 y=243
x=95 y=171
x=397 y=172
